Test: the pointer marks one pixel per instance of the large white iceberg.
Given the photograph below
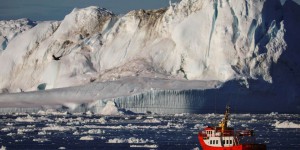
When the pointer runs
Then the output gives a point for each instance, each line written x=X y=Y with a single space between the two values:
x=182 y=58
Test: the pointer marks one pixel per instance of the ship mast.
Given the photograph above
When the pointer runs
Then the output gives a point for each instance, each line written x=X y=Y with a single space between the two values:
x=223 y=123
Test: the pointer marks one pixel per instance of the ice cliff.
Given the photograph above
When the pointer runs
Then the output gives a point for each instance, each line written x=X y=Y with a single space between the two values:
x=240 y=49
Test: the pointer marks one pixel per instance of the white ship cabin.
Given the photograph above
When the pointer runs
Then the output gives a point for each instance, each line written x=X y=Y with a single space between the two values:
x=215 y=138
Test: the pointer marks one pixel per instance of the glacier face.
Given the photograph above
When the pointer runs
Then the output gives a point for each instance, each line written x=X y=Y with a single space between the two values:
x=249 y=42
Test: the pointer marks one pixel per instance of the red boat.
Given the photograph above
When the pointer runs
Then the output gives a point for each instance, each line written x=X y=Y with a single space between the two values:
x=226 y=138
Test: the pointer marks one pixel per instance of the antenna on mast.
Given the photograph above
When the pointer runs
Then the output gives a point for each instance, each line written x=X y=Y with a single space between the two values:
x=223 y=123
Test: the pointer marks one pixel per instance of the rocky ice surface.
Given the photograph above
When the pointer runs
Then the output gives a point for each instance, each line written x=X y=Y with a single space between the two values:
x=177 y=59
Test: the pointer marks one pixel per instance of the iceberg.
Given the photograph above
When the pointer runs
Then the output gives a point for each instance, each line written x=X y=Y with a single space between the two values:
x=192 y=57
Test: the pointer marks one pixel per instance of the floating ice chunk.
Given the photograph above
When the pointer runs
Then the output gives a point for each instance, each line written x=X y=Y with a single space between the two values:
x=175 y=125
x=95 y=131
x=117 y=140
x=102 y=120
x=40 y=140
x=285 y=124
x=76 y=133
x=5 y=129
x=154 y=120
x=71 y=106
x=10 y=134
x=3 y=148
x=136 y=140
x=41 y=112
x=44 y=133
x=87 y=138
x=57 y=128
x=145 y=146
x=28 y=118
x=89 y=113
x=273 y=114
x=110 y=109
x=244 y=125
x=210 y=115
x=61 y=148
x=198 y=126
x=30 y=126
x=9 y=124
x=139 y=117
x=252 y=120
x=22 y=131
x=130 y=140
x=180 y=115
x=51 y=112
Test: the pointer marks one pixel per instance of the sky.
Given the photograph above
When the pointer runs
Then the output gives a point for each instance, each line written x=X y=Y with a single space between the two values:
x=40 y=10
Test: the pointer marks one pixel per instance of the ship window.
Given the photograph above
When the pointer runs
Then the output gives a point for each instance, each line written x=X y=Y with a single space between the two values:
x=213 y=141
x=216 y=141
x=230 y=141
x=226 y=141
x=223 y=141
x=210 y=142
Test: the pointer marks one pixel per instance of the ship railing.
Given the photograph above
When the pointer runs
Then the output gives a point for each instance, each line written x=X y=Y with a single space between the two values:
x=244 y=132
x=228 y=133
x=219 y=133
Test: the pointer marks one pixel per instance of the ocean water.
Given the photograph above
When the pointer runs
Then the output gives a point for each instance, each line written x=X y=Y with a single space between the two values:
x=179 y=131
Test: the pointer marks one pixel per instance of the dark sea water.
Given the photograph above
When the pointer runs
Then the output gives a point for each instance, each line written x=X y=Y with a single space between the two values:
x=35 y=131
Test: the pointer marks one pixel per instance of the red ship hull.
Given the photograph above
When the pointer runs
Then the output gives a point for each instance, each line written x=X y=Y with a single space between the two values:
x=235 y=147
